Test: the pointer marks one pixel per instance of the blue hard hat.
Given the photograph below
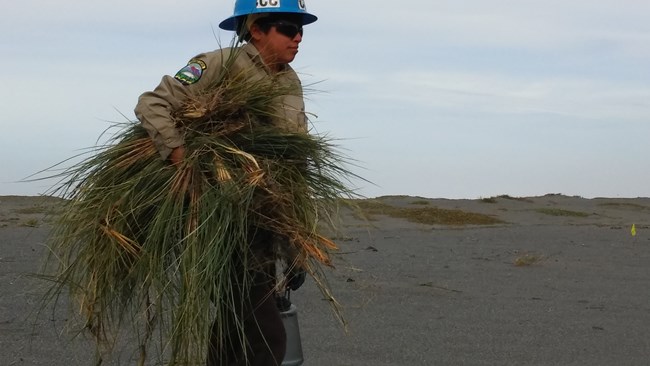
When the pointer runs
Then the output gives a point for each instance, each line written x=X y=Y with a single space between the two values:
x=248 y=7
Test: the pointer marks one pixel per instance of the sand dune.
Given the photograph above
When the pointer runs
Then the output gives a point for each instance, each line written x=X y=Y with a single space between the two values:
x=550 y=280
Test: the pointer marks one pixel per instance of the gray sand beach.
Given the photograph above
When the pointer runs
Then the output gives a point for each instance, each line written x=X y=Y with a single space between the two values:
x=555 y=280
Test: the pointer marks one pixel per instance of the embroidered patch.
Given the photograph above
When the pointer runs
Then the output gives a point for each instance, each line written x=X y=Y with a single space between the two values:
x=268 y=4
x=191 y=73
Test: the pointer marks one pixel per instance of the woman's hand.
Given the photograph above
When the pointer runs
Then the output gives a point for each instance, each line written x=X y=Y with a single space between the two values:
x=177 y=155
x=295 y=278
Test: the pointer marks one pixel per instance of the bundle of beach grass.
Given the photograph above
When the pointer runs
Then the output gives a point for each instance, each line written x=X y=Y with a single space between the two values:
x=157 y=246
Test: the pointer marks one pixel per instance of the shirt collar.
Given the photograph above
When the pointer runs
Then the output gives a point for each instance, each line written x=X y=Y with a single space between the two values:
x=254 y=54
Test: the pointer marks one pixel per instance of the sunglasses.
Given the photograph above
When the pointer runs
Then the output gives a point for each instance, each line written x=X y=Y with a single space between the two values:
x=287 y=28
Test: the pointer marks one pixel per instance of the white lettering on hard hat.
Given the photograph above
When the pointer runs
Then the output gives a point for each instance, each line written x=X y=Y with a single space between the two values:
x=268 y=4
x=301 y=4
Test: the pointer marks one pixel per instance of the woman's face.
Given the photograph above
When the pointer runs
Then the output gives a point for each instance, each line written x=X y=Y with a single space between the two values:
x=279 y=45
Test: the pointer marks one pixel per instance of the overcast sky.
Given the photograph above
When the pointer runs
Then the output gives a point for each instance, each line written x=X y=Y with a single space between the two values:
x=434 y=98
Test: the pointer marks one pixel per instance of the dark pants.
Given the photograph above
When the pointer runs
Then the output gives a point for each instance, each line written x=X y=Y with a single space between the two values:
x=265 y=335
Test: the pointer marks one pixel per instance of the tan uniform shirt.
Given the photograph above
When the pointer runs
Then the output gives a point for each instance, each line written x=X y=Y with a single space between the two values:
x=155 y=107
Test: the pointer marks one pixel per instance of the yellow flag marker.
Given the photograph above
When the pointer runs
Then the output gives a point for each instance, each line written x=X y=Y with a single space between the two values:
x=633 y=231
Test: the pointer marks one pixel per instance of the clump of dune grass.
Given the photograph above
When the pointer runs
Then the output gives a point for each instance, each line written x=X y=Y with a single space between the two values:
x=494 y=199
x=528 y=259
x=30 y=223
x=419 y=202
x=489 y=200
x=561 y=212
x=425 y=215
x=31 y=210
x=624 y=205
x=141 y=243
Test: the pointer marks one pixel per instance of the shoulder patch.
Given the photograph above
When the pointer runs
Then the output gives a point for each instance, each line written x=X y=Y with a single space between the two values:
x=191 y=73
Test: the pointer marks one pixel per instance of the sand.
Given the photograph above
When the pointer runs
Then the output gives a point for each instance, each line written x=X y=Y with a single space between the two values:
x=561 y=281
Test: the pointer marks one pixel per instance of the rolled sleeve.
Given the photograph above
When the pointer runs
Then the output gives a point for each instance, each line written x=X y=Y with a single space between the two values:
x=154 y=111
x=155 y=108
